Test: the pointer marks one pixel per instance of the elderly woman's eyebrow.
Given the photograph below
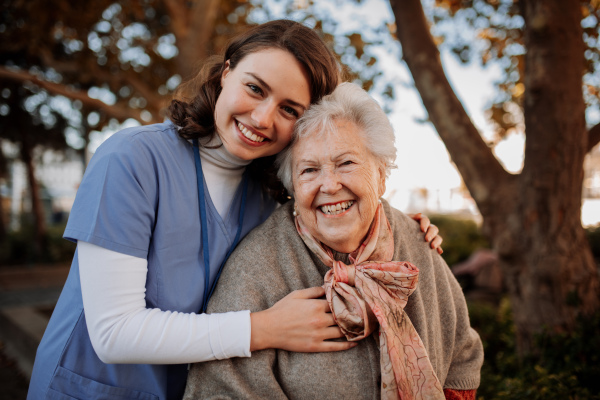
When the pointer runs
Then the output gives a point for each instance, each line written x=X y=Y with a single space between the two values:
x=351 y=152
x=266 y=86
x=305 y=161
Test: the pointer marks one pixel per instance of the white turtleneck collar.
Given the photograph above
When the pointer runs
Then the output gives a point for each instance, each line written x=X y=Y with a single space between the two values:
x=222 y=172
x=219 y=156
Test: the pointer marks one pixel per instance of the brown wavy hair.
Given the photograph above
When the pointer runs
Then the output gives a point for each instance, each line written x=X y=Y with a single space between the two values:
x=193 y=108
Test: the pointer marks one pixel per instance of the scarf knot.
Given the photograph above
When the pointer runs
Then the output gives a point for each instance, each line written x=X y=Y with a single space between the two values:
x=343 y=273
x=371 y=293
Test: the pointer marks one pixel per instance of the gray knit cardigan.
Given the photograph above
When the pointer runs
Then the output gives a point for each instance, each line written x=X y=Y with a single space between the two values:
x=272 y=261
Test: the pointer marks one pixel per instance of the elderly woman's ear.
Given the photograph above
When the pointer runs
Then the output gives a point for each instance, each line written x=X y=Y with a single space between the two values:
x=382 y=179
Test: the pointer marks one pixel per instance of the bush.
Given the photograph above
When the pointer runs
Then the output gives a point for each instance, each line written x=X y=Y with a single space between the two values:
x=593 y=235
x=567 y=367
x=461 y=237
x=19 y=248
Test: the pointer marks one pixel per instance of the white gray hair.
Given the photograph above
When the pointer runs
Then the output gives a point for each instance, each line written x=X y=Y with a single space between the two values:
x=349 y=103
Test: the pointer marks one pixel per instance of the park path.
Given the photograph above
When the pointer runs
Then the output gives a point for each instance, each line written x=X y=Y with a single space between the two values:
x=27 y=297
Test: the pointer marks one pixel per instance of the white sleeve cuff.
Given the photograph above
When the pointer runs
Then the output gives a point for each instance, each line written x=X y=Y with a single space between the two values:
x=229 y=334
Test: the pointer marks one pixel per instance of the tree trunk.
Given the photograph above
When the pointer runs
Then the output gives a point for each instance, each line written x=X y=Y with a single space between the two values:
x=3 y=230
x=533 y=220
x=193 y=40
x=36 y=201
x=558 y=278
x=3 y=173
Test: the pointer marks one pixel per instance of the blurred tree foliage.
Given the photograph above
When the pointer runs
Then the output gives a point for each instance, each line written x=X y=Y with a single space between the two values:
x=67 y=68
x=462 y=237
x=498 y=27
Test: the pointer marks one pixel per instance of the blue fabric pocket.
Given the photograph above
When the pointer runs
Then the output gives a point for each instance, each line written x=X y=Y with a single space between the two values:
x=67 y=385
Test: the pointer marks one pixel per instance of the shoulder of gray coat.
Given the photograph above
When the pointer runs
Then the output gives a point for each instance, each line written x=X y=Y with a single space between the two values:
x=265 y=238
x=405 y=228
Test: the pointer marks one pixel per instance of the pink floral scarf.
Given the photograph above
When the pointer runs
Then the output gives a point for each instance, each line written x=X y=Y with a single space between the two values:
x=372 y=291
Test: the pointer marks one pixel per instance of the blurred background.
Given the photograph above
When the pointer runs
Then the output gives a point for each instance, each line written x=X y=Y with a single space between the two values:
x=496 y=109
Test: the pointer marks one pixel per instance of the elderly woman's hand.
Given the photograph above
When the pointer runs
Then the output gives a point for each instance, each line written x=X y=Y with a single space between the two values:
x=299 y=322
x=431 y=232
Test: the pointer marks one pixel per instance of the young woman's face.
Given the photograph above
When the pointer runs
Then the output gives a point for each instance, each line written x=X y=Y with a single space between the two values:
x=261 y=100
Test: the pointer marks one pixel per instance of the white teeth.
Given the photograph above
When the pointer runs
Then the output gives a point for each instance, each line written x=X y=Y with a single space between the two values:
x=250 y=135
x=337 y=208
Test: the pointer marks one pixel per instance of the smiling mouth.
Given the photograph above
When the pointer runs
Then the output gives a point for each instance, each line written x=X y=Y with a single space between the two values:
x=334 y=209
x=249 y=135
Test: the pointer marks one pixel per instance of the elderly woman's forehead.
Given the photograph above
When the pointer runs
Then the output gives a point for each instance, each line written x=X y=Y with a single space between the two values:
x=330 y=127
x=344 y=136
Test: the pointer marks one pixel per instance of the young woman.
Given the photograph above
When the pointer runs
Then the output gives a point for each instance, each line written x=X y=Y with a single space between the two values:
x=158 y=212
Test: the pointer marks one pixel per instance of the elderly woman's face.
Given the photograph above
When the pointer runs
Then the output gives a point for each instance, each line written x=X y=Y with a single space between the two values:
x=337 y=185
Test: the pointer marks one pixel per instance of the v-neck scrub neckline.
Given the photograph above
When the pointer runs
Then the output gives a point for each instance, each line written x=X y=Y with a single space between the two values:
x=203 y=200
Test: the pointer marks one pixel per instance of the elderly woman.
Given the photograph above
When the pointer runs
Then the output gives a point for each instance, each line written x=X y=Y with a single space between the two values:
x=380 y=277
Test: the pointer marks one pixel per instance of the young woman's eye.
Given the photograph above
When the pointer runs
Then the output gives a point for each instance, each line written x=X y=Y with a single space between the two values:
x=290 y=111
x=255 y=88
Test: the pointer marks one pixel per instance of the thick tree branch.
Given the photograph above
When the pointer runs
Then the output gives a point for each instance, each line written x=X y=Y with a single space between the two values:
x=480 y=170
x=193 y=47
x=593 y=137
x=180 y=23
x=120 y=113
x=204 y=15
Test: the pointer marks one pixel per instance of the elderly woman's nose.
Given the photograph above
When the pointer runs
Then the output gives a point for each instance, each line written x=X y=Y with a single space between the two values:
x=263 y=115
x=330 y=182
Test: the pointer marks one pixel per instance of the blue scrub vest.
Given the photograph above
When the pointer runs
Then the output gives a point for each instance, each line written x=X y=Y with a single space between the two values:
x=139 y=196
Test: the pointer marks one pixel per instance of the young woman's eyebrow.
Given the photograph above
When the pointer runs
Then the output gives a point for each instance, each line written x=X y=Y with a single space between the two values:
x=266 y=86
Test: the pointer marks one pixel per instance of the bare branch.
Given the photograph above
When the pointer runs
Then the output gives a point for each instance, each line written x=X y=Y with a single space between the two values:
x=481 y=171
x=593 y=137
x=60 y=66
x=70 y=67
x=120 y=113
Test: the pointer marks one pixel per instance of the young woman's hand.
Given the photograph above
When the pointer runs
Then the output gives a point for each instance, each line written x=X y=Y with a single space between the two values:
x=300 y=322
x=431 y=232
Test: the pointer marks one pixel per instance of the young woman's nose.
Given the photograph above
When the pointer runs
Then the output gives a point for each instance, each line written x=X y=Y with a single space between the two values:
x=263 y=115
x=330 y=181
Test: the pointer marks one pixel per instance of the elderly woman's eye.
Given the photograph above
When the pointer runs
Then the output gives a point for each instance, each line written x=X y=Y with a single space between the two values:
x=349 y=162
x=307 y=170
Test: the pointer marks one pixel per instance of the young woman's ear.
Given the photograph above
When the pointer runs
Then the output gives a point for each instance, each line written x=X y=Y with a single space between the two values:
x=225 y=72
